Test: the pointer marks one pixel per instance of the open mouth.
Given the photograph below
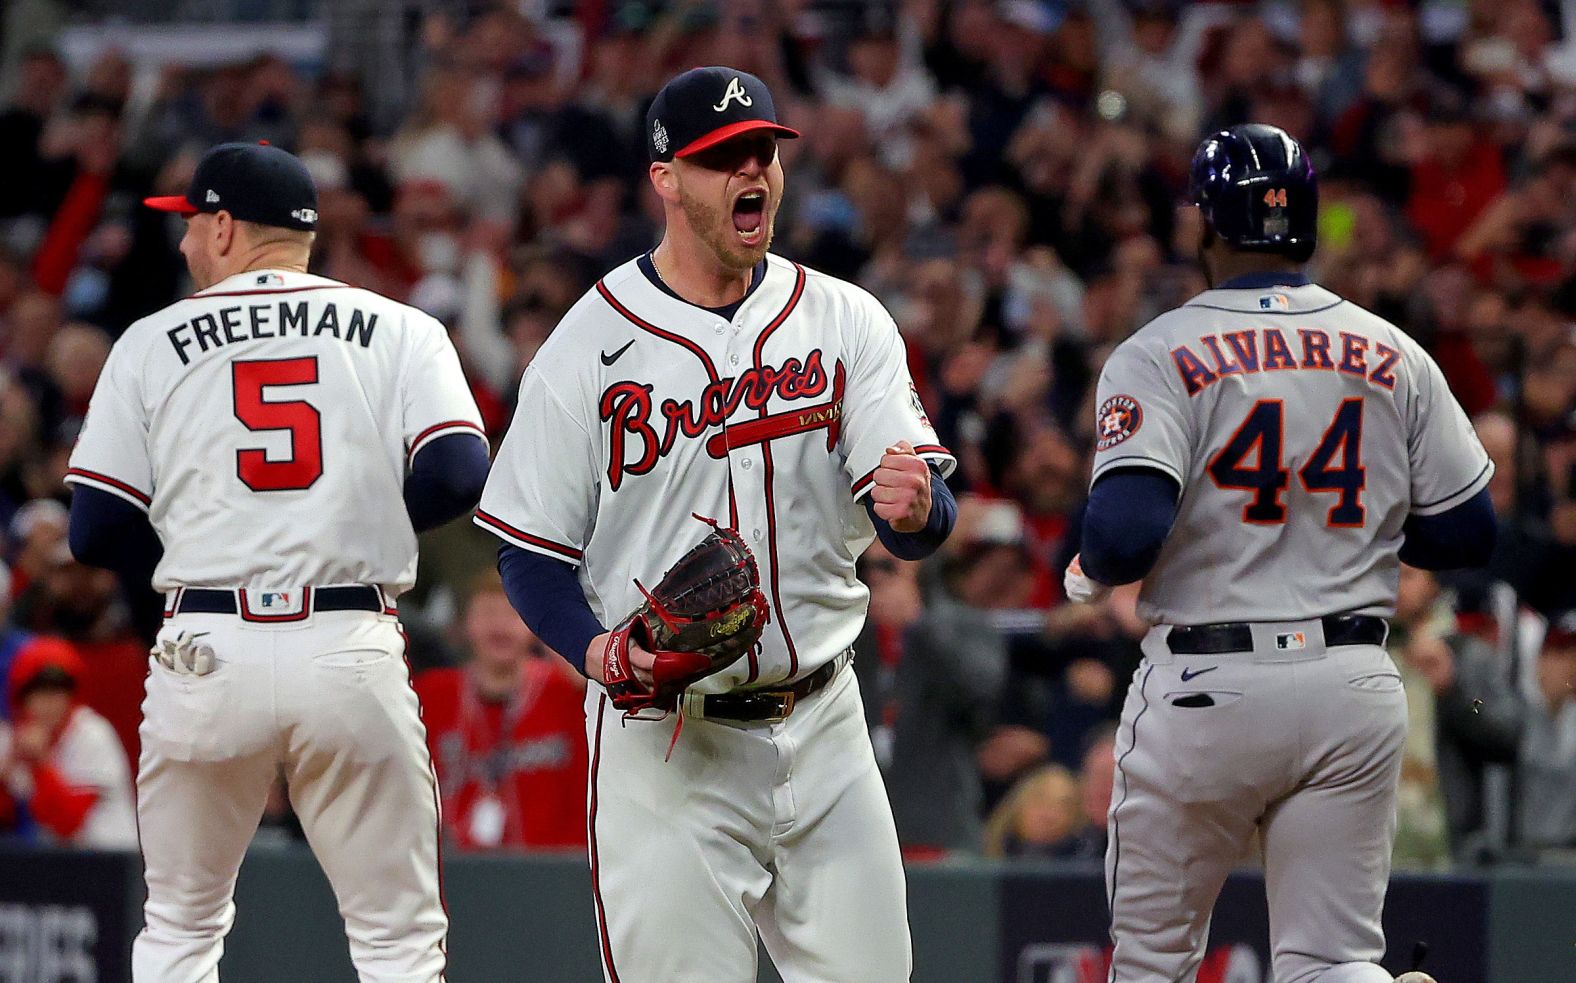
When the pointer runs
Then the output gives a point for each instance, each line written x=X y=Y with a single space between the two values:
x=749 y=215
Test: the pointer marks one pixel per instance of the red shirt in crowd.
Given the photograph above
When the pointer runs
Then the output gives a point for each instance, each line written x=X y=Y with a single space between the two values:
x=1446 y=201
x=512 y=774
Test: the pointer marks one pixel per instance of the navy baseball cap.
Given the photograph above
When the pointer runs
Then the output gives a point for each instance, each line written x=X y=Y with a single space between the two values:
x=254 y=182
x=705 y=106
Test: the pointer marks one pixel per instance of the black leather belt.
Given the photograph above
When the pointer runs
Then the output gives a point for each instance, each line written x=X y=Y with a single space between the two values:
x=1237 y=636
x=768 y=704
x=210 y=600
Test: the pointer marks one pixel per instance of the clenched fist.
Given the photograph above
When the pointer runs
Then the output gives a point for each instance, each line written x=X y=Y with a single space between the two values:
x=902 y=488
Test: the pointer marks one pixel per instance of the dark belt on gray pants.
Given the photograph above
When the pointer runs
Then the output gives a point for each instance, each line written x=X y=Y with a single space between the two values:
x=1237 y=636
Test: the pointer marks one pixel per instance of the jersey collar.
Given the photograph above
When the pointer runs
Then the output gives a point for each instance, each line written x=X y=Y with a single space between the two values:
x=649 y=268
x=262 y=281
x=1263 y=281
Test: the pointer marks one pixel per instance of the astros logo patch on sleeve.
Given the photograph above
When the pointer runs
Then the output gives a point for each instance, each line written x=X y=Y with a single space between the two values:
x=1119 y=418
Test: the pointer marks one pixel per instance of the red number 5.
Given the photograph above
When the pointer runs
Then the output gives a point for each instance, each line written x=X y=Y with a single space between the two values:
x=305 y=464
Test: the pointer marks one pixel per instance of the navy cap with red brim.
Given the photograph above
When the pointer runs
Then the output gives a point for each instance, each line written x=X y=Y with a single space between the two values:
x=704 y=107
x=722 y=134
x=254 y=182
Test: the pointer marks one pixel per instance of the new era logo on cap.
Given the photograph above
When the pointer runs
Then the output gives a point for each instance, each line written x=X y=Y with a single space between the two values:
x=253 y=182
x=705 y=106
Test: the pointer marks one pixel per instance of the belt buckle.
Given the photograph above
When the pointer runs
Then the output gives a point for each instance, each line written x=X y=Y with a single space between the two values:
x=786 y=699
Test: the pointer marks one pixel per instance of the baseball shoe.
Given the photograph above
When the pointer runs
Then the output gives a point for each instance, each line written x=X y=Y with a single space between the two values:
x=1415 y=977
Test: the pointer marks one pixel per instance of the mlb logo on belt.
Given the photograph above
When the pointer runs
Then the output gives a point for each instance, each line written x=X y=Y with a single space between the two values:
x=275 y=600
x=290 y=604
x=1291 y=641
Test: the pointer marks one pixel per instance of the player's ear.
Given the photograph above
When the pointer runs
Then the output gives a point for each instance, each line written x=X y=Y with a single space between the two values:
x=665 y=179
x=223 y=232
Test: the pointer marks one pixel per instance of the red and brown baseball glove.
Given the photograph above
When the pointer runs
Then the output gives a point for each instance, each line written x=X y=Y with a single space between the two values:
x=706 y=612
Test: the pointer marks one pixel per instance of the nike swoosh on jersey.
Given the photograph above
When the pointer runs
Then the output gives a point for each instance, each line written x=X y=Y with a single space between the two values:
x=1188 y=674
x=610 y=359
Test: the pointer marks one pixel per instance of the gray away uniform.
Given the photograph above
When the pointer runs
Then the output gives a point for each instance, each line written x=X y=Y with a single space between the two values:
x=1302 y=430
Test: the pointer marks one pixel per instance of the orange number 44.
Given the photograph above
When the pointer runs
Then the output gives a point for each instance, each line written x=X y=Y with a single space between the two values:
x=1275 y=197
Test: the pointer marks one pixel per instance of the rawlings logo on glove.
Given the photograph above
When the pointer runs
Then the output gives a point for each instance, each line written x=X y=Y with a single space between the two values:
x=706 y=612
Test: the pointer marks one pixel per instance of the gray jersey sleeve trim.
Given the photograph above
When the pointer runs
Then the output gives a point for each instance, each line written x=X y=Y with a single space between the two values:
x=1451 y=501
x=1135 y=459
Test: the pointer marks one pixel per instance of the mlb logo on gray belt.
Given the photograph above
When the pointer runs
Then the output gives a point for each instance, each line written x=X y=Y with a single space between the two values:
x=1291 y=641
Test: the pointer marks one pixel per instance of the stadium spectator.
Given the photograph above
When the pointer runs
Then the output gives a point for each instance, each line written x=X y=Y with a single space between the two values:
x=931 y=672
x=1464 y=716
x=507 y=733
x=60 y=761
x=1096 y=781
x=1547 y=803
x=1041 y=817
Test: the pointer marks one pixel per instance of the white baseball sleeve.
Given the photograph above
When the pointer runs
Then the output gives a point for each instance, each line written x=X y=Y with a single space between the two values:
x=436 y=398
x=881 y=405
x=541 y=494
x=112 y=449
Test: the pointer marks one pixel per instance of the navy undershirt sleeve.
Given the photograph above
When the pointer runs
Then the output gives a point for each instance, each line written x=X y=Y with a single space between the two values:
x=108 y=531
x=1461 y=537
x=445 y=480
x=546 y=594
x=921 y=543
x=1127 y=520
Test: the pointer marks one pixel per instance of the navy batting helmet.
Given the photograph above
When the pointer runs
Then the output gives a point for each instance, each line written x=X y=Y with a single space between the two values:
x=1256 y=188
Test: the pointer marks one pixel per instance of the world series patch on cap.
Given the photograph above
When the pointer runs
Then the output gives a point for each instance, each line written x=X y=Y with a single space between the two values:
x=705 y=106
x=254 y=182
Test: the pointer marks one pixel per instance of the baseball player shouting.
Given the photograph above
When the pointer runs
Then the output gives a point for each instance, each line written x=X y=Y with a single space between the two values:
x=1266 y=455
x=266 y=450
x=711 y=377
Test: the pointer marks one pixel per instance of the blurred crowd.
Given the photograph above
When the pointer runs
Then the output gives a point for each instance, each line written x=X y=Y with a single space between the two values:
x=1004 y=176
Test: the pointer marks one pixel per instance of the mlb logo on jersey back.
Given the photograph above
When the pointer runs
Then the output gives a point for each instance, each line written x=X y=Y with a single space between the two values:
x=1291 y=641
x=1275 y=302
x=270 y=280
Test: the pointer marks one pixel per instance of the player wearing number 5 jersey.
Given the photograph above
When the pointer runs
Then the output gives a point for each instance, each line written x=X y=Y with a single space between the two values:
x=1266 y=456
x=266 y=450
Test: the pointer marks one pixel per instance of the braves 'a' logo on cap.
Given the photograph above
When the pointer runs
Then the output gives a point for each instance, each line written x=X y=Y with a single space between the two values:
x=659 y=136
x=734 y=92
x=1119 y=418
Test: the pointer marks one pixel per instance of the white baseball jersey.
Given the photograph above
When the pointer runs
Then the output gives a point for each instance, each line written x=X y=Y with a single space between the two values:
x=1303 y=430
x=266 y=425
x=641 y=409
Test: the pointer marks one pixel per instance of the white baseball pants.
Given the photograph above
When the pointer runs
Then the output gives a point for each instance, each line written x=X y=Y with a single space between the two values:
x=1302 y=746
x=328 y=701
x=782 y=828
